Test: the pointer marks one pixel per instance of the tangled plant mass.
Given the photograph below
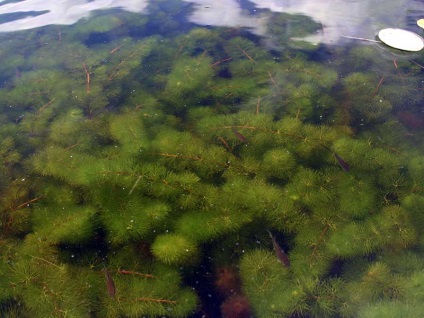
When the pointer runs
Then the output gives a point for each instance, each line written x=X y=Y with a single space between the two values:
x=143 y=157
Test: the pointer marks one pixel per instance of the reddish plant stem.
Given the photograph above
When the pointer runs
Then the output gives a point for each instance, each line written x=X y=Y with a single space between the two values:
x=116 y=49
x=222 y=61
x=222 y=140
x=45 y=105
x=127 y=272
x=378 y=86
x=26 y=203
x=247 y=55
x=87 y=78
x=153 y=300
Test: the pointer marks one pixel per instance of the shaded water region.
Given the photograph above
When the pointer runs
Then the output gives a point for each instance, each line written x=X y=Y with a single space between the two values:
x=210 y=159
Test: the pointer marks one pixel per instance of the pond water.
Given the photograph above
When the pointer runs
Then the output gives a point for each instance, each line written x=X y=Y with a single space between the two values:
x=225 y=158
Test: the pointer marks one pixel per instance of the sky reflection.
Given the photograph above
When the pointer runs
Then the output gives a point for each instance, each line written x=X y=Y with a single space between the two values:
x=62 y=12
x=354 y=18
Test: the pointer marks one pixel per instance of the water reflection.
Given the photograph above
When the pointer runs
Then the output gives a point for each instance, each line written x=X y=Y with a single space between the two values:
x=357 y=18
x=61 y=11
x=354 y=18
x=142 y=161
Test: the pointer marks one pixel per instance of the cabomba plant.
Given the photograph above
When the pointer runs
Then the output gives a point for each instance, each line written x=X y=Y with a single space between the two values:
x=122 y=173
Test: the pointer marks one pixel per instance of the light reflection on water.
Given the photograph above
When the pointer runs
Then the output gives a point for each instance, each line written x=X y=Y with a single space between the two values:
x=336 y=84
x=63 y=12
x=354 y=18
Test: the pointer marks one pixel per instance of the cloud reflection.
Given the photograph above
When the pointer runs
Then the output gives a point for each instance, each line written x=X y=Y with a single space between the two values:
x=361 y=18
x=224 y=13
x=61 y=11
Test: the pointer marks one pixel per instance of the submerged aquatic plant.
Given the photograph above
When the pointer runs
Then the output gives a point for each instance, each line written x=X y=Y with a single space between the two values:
x=148 y=176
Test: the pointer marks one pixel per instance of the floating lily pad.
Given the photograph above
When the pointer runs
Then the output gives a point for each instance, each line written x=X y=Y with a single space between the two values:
x=402 y=39
x=420 y=23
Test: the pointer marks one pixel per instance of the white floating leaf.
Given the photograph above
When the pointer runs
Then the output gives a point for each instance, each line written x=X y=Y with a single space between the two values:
x=401 y=39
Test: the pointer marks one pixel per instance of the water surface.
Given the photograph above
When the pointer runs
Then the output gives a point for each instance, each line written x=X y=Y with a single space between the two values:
x=210 y=159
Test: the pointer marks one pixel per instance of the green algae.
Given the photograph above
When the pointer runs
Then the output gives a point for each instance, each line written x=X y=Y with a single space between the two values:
x=125 y=155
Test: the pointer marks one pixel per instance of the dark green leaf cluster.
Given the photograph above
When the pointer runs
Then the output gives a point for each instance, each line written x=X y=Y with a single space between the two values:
x=287 y=29
x=130 y=161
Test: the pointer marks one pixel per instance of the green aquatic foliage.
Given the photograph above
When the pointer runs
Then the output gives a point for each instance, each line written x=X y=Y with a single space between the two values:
x=8 y=155
x=283 y=27
x=100 y=24
x=241 y=49
x=131 y=221
x=391 y=229
x=362 y=156
x=45 y=286
x=66 y=55
x=60 y=163
x=12 y=64
x=414 y=285
x=101 y=27
x=365 y=104
x=241 y=201
x=65 y=224
x=224 y=208
x=128 y=131
x=414 y=205
x=173 y=248
x=181 y=150
x=274 y=293
x=416 y=168
x=392 y=310
x=146 y=159
x=165 y=17
x=156 y=293
x=363 y=58
x=295 y=84
x=190 y=78
x=393 y=282
x=278 y=163
x=267 y=284
x=197 y=41
x=14 y=207
x=358 y=197
x=35 y=99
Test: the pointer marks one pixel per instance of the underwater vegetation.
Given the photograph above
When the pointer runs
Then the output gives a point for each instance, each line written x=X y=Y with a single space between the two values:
x=130 y=164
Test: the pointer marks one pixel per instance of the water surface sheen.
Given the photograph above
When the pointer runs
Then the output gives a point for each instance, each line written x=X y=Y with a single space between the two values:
x=177 y=158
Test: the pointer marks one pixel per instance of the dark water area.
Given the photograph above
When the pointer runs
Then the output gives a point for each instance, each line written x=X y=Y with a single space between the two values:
x=210 y=159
